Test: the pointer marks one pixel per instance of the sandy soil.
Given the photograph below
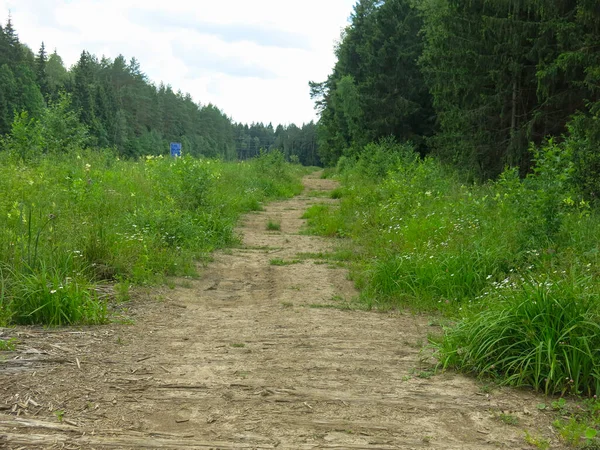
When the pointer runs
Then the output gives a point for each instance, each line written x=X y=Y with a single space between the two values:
x=253 y=355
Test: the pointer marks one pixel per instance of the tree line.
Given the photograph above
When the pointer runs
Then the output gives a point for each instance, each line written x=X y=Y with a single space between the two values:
x=297 y=144
x=474 y=82
x=120 y=107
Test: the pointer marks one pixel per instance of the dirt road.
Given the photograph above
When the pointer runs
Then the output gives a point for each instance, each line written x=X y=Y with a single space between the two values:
x=253 y=355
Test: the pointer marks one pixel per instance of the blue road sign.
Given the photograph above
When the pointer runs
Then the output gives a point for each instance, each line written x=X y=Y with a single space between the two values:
x=175 y=149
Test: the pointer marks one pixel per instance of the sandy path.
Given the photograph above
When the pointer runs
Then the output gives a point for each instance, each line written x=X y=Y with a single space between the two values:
x=244 y=357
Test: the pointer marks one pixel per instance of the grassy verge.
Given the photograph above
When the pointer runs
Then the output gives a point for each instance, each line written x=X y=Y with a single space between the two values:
x=514 y=263
x=69 y=221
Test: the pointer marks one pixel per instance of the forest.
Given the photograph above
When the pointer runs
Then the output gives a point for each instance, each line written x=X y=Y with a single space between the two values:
x=119 y=107
x=473 y=82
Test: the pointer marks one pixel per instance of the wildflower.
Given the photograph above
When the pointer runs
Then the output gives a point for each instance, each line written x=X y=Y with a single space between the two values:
x=87 y=167
x=53 y=291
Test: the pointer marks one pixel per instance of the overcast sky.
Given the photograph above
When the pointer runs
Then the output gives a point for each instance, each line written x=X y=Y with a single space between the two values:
x=252 y=58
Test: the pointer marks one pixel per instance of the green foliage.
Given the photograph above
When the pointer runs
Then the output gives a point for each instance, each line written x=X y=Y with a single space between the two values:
x=283 y=262
x=8 y=345
x=541 y=334
x=578 y=424
x=576 y=433
x=472 y=80
x=536 y=441
x=516 y=260
x=323 y=221
x=298 y=145
x=583 y=141
x=376 y=89
x=51 y=297
x=273 y=226
x=58 y=130
x=68 y=220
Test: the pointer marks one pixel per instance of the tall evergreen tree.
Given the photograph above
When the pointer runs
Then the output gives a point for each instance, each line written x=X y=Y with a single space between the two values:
x=376 y=88
x=41 y=74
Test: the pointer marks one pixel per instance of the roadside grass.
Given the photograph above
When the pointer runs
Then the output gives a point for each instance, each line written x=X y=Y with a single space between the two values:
x=71 y=221
x=513 y=264
x=322 y=220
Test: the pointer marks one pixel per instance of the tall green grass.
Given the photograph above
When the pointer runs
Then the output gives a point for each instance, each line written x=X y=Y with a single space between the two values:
x=68 y=221
x=540 y=334
x=500 y=258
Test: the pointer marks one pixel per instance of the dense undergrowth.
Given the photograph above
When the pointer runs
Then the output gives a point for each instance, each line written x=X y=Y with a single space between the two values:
x=69 y=220
x=514 y=262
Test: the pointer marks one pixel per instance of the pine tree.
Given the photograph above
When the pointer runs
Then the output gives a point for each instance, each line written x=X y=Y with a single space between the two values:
x=41 y=74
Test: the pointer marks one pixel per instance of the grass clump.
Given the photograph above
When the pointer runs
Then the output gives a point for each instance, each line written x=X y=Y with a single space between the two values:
x=273 y=225
x=539 y=334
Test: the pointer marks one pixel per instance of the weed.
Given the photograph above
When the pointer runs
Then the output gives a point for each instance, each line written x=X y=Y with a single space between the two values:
x=287 y=304
x=317 y=194
x=575 y=432
x=425 y=374
x=336 y=194
x=273 y=225
x=322 y=306
x=559 y=405
x=536 y=441
x=322 y=221
x=282 y=262
x=186 y=284
x=122 y=293
x=487 y=388
x=508 y=419
x=8 y=345
x=238 y=345
x=539 y=335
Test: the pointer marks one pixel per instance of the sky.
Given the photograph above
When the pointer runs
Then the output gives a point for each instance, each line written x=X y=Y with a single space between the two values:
x=251 y=58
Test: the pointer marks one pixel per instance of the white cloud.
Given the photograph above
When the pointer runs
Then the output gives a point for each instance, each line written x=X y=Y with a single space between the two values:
x=253 y=59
